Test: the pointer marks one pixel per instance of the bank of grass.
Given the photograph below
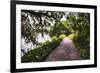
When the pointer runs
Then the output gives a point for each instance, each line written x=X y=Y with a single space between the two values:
x=40 y=53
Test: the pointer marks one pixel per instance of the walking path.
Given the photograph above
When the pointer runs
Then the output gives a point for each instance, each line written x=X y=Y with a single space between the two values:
x=65 y=51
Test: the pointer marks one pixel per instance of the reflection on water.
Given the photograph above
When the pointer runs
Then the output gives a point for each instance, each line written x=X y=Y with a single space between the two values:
x=25 y=47
x=41 y=39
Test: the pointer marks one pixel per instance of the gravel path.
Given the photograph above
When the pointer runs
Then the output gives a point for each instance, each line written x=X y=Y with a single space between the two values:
x=65 y=51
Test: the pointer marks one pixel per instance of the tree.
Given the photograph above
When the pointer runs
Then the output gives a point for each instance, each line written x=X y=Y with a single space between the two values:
x=55 y=23
x=60 y=28
x=34 y=22
x=80 y=25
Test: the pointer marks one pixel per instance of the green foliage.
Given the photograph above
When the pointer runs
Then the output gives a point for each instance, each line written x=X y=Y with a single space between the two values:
x=54 y=38
x=59 y=28
x=40 y=53
x=84 y=54
x=62 y=36
x=36 y=21
x=73 y=36
x=76 y=27
x=80 y=26
x=81 y=42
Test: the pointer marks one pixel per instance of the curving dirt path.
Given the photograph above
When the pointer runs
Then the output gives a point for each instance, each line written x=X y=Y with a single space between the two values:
x=65 y=51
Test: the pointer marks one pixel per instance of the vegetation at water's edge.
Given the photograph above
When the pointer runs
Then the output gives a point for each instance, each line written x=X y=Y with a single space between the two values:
x=41 y=52
x=76 y=26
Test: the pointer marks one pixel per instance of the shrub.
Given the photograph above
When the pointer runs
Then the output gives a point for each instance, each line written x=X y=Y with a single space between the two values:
x=81 y=41
x=62 y=36
x=84 y=54
x=40 y=53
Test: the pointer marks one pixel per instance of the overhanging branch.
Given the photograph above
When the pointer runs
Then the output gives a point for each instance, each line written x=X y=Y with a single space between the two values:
x=38 y=13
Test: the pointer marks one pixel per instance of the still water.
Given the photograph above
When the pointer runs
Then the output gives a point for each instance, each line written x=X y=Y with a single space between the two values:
x=25 y=47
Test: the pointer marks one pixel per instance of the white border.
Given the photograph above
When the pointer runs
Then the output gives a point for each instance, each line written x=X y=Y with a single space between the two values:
x=20 y=65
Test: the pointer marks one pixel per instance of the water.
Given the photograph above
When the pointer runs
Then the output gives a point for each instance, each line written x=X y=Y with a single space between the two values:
x=25 y=47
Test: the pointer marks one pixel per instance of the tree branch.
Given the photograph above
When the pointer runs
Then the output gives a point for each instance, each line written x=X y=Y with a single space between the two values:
x=38 y=13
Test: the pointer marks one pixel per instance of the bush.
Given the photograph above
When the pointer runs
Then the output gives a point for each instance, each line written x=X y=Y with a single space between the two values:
x=73 y=36
x=81 y=41
x=41 y=52
x=84 y=54
x=62 y=36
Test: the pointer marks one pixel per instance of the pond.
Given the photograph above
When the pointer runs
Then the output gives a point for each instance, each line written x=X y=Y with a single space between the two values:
x=25 y=47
